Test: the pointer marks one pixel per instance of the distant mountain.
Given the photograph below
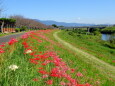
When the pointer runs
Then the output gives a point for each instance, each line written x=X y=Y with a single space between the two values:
x=50 y=22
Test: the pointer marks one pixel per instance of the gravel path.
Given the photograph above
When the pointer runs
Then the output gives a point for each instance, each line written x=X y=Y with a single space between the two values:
x=88 y=58
x=8 y=37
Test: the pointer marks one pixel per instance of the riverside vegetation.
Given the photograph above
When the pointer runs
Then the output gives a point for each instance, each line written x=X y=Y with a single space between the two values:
x=109 y=30
x=37 y=59
x=90 y=43
x=111 y=41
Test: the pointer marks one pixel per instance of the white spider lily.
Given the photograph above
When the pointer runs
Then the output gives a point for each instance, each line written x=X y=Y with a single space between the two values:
x=13 y=67
x=29 y=51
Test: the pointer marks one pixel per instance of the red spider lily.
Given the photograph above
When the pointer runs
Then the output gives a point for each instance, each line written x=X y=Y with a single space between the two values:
x=32 y=53
x=43 y=72
x=39 y=41
x=40 y=52
x=57 y=72
x=33 y=61
x=73 y=82
x=45 y=76
x=57 y=61
x=79 y=74
x=80 y=85
x=68 y=84
x=60 y=69
x=12 y=41
x=49 y=82
x=36 y=58
x=1 y=50
x=87 y=84
x=62 y=83
x=2 y=45
x=43 y=56
x=46 y=62
x=113 y=61
x=67 y=76
x=25 y=44
x=72 y=70
x=40 y=68
x=26 y=35
x=55 y=75
x=35 y=79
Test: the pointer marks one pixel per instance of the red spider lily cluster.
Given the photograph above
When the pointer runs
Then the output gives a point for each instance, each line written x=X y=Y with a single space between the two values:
x=51 y=66
x=12 y=41
x=113 y=61
x=1 y=48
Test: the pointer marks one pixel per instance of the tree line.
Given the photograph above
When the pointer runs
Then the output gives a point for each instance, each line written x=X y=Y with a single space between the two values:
x=29 y=23
x=21 y=23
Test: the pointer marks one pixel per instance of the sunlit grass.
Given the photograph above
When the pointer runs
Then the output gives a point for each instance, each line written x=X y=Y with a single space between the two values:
x=27 y=73
x=91 y=44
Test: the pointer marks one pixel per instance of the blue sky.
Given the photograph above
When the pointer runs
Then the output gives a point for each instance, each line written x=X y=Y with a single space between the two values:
x=78 y=11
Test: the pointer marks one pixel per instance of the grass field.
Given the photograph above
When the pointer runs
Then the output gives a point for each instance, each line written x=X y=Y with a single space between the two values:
x=38 y=59
x=91 y=44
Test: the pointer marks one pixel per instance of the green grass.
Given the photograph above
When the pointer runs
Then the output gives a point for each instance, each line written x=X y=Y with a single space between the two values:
x=75 y=61
x=4 y=34
x=91 y=44
x=26 y=72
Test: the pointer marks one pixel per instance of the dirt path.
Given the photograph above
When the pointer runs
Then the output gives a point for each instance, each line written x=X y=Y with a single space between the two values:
x=103 y=66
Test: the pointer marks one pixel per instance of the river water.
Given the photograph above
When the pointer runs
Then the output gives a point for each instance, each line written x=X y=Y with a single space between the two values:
x=107 y=37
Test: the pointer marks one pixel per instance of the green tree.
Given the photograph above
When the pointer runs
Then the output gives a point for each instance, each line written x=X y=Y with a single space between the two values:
x=54 y=25
x=17 y=29
x=23 y=28
x=4 y=22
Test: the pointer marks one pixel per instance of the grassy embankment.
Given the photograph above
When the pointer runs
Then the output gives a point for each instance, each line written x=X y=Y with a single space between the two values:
x=1 y=35
x=91 y=44
x=37 y=56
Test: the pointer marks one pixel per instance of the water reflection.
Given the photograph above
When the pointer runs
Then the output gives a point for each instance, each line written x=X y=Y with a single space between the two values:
x=107 y=37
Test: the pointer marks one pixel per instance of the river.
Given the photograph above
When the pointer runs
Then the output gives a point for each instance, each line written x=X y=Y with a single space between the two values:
x=107 y=37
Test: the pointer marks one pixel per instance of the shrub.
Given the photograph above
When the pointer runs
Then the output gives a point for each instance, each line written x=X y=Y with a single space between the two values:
x=96 y=32
x=93 y=29
x=108 y=30
x=17 y=29
x=23 y=28
x=71 y=33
